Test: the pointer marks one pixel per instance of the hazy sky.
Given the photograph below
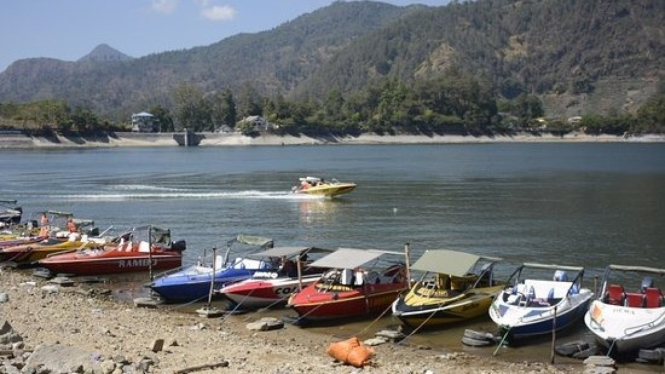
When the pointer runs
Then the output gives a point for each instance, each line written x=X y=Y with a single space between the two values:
x=69 y=29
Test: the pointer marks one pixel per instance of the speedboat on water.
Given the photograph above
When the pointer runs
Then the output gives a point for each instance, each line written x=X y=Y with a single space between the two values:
x=533 y=305
x=355 y=285
x=196 y=282
x=455 y=287
x=320 y=187
x=268 y=288
x=623 y=320
x=145 y=248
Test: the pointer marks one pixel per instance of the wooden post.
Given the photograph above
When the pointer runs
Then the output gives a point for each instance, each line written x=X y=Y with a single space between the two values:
x=149 y=251
x=212 y=275
x=407 y=250
x=552 y=354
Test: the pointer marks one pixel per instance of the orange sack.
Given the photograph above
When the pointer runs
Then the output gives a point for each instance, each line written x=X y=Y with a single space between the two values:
x=351 y=351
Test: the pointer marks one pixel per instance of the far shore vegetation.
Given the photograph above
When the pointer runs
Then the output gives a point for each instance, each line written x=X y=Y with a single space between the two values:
x=455 y=103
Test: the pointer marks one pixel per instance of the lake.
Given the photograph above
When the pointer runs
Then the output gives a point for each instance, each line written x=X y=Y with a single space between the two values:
x=576 y=204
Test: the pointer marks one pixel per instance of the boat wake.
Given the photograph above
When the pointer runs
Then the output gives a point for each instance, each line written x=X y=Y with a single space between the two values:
x=161 y=194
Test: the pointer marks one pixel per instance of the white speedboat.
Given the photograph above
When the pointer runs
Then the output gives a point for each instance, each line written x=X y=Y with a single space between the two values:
x=625 y=321
x=321 y=187
x=528 y=306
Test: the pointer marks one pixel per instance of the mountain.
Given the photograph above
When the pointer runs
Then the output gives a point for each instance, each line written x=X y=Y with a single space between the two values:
x=104 y=53
x=577 y=56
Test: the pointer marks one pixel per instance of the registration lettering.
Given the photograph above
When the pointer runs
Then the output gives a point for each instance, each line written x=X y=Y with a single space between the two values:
x=265 y=274
x=136 y=263
x=285 y=290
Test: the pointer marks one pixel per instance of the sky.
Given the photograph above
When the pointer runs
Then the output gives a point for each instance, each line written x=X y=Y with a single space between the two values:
x=69 y=29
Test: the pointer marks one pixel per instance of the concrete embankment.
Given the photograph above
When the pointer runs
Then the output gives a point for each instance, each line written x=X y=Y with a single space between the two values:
x=131 y=139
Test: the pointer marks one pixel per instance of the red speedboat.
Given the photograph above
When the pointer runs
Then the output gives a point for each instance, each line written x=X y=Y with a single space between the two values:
x=347 y=290
x=268 y=288
x=129 y=255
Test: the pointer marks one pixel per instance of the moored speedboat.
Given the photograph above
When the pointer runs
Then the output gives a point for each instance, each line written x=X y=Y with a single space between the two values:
x=455 y=287
x=59 y=243
x=274 y=287
x=347 y=290
x=193 y=283
x=321 y=187
x=10 y=213
x=130 y=254
x=624 y=321
x=528 y=306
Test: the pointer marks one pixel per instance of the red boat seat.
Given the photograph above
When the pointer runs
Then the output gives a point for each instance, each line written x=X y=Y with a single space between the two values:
x=654 y=297
x=615 y=294
x=634 y=300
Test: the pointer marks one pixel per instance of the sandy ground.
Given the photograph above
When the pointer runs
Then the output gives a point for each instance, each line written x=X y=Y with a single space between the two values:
x=109 y=328
x=217 y=139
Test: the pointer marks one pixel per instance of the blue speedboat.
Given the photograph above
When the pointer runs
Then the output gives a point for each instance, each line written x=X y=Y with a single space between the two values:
x=195 y=282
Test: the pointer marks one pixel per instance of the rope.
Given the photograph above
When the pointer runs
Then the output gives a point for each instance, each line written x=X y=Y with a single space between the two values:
x=375 y=320
x=501 y=342
x=421 y=325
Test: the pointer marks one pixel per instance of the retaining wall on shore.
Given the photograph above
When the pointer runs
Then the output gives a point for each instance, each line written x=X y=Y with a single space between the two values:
x=132 y=139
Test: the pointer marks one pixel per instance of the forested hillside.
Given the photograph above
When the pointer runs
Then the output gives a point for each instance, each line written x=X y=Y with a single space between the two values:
x=578 y=57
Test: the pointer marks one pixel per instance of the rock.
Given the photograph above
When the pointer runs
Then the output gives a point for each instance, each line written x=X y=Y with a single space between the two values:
x=50 y=288
x=603 y=361
x=59 y=358
x=375 y=341
x=157 y=345
x=265 y=324
x=3 y=298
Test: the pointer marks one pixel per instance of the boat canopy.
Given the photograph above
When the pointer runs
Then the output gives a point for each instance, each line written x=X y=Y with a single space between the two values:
x=350 y=258
x=645 y=269
x=449 y=262
x=258 y=241
x=552 y=266
x=279 y=252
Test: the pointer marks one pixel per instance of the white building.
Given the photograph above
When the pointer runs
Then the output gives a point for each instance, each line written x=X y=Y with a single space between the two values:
x=144 y=122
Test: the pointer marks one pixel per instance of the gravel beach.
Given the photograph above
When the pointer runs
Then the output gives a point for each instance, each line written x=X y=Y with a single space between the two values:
x=89 y=320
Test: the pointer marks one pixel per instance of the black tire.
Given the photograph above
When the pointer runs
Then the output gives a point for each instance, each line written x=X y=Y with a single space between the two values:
x=478 y=335
x=652 y=355
x=570 y=348
x=476 y=342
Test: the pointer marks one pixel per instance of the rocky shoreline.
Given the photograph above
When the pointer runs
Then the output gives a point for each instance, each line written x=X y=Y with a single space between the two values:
x=102 y=335
x=129 y=139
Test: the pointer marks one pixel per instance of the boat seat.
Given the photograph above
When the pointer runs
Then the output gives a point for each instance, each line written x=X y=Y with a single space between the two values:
x=634 y=300
x=654 y=297
x=615 y=294
x=144 y=247
x=359 y=278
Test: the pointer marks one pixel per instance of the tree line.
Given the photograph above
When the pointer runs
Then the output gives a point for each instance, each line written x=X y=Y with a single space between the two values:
x=452 y=103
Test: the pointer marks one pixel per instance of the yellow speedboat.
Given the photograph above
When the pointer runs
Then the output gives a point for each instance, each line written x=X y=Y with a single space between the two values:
x=321 y=187
x=463 y=287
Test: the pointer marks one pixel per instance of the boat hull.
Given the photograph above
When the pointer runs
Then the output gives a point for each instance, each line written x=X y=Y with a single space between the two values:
x=626 y=329
x=261 y=293
x=526 y=321
x=36 y=251
x=417 y=311
x=329 y=190
x=313 y=304
x=193 y=283
x=110 y=265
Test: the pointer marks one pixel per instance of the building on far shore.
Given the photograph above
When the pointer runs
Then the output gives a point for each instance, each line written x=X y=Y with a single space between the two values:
x=145 y=122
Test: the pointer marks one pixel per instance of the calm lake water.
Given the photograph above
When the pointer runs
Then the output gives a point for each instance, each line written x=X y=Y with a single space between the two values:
x=573 y=204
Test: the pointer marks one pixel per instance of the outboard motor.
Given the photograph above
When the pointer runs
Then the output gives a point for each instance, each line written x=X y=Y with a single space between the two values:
x=560 y=276
x=647 y=282
x=179 y=246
